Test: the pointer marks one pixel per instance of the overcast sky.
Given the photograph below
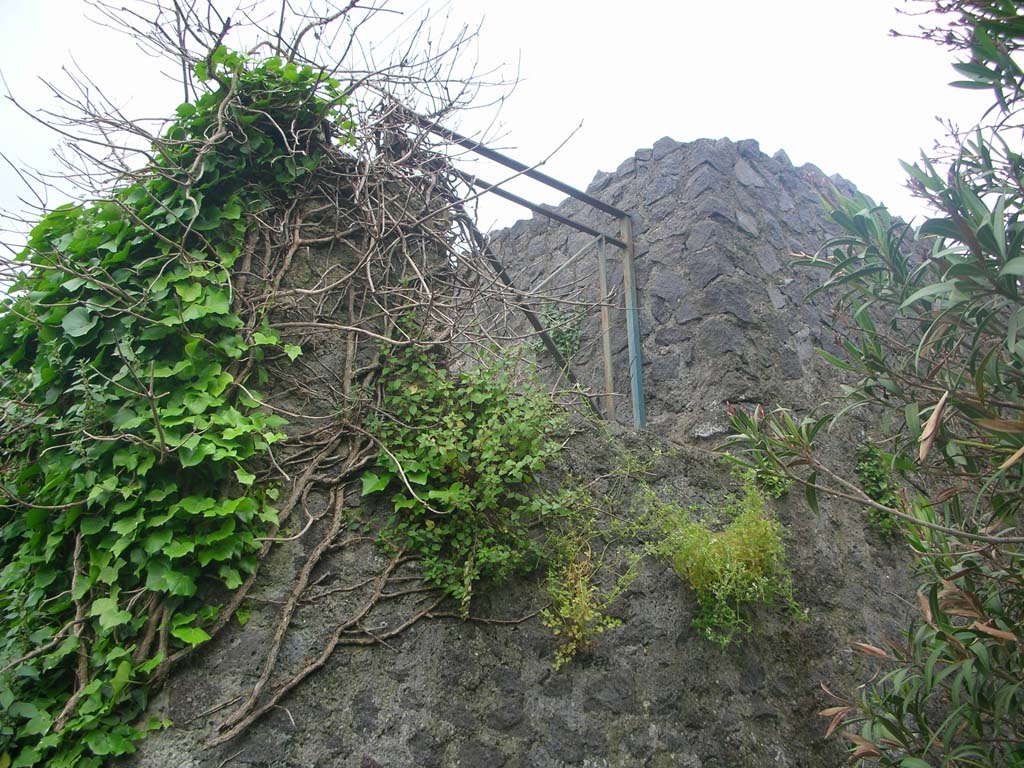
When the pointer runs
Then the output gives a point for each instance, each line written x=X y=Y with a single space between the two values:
x=821 y=79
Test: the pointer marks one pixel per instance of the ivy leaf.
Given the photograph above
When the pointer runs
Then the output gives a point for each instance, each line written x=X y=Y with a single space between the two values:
x=191 y=635
x=78 y=322
x=372 y=483
x=125 y=526
x=28 y=757
x=179 y=548
x=188 y=291
x=419 y=477
x=292 y=350
x=180 y=583
x=217 y=303
x=92 y=525
x=38 y=725
x=232 y=578
x=110 y=616
x=245 y=478
x=98 y=742
x=119 y=745
x=23 y=709
x=268 y=337
x=148 y=666
x=121 y=677
x=70 y=286
x=193 y=505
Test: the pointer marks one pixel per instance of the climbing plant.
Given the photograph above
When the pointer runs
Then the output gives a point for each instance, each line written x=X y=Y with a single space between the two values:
x=459 y=452
x=875 y=477
x=130 y=434
x=565 y=327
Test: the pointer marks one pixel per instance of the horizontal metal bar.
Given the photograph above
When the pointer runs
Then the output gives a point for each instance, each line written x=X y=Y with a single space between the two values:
x=515 y=165
x=544 y=211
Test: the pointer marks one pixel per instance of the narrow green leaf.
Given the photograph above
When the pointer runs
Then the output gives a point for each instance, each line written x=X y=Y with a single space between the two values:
x=811 y=494
x=1013 y=267
x=928 y=291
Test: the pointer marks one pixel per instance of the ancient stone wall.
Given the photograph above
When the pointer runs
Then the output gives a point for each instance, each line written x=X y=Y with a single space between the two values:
x=724 y=320
x=723 y=313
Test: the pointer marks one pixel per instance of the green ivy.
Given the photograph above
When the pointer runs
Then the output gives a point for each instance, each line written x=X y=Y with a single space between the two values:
x=565 y=327
x=876 y=481
x=460 y=452
x=126 y=429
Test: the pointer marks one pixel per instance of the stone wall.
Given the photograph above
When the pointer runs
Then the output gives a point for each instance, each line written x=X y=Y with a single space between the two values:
x=723 y=312
x=724 y=320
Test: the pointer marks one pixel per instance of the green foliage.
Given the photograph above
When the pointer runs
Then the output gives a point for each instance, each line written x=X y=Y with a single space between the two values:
x=459 y=453
x=877 y=482
x=775 y=443
x=565 y=327
x=935 y=343
x=730 y=567
x=582 y=584
x=126 y=427
x=773 y=483
x=578 y=611
x=953 y=695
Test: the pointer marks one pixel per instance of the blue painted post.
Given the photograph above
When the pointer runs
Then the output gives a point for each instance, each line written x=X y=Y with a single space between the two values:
x=636 y=362
x=606 y=333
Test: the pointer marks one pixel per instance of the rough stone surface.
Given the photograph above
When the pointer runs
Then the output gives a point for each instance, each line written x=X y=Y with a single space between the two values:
x=724 y=320
x=714 y=280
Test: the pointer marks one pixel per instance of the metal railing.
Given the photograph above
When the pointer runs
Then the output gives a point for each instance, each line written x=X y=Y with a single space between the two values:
x=623 y=242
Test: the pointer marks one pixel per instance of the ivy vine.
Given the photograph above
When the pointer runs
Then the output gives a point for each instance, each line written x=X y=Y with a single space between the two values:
x=873 y=469
x=129 y=429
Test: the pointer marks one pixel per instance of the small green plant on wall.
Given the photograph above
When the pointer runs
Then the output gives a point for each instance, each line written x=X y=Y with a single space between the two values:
x=565 y=327
x=876 y=481
x=774 y=484
x=586 y=573
x=730 y=566
x=577 y=613
x=459 y=454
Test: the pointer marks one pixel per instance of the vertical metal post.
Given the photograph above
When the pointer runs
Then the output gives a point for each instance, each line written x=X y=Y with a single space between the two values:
x=606 y=331
x=636 y=363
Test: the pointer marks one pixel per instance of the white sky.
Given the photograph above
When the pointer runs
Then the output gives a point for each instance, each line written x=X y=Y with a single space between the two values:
x=821 y=79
